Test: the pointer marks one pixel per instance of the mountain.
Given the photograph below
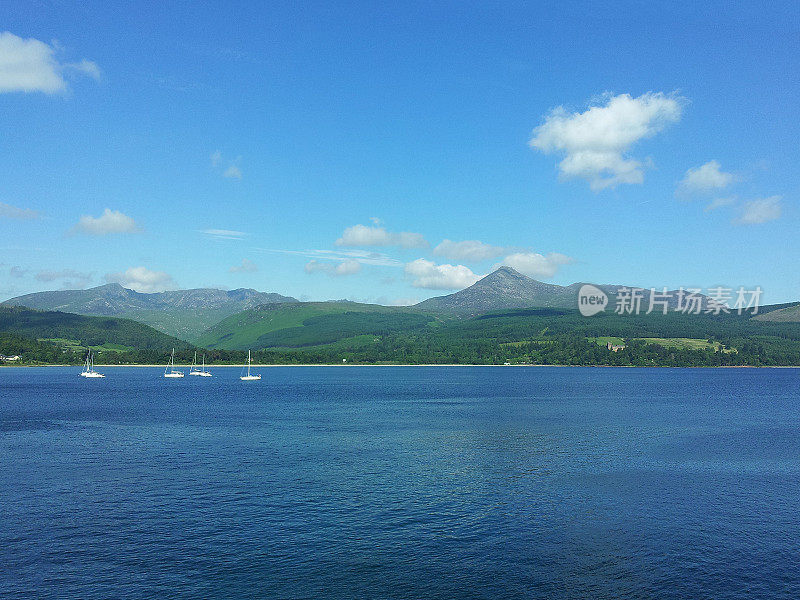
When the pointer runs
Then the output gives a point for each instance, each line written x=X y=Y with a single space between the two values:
x=507 y=288
x=788 y=314
x=69 y=330
x=504 y=288
x=307 y=324
x=183 y=313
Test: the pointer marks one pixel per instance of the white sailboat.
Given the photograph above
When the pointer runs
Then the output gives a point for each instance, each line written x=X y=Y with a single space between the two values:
x=249 y=377
x=88 y=369
x=195 y=370
x=170 y=371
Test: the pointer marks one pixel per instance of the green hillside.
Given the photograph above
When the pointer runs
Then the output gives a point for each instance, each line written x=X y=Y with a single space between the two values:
x=71 y=331
x=309 y=324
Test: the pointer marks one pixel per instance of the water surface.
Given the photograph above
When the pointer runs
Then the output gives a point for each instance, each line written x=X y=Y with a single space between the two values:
x=401 y=482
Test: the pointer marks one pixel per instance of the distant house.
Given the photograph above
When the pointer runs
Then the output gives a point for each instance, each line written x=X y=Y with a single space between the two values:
x=614 y=347
x=9 y=358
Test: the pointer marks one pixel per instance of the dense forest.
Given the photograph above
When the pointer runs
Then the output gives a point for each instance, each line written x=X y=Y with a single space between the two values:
x=531 y=336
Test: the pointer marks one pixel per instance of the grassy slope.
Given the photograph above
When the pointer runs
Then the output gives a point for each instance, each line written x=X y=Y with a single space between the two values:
x=309 y=324
x=181 y=323
x=81 y=330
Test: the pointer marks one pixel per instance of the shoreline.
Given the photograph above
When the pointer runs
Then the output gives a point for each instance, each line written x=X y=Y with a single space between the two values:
x=270 y=366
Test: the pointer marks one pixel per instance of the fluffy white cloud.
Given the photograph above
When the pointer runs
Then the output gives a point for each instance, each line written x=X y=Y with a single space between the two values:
x=348 y=266
x=705 y=178
x=429 y=275
x=70 y=279
x=534 y=264
x=13 y=212
x=594 y=143
x=142 y=279
x=473 y=250
x=28 y=65
x=760 y=211
x=224 y=234
x=363 y=235
x=111 y=221
x=247 y=266
x=232 y=172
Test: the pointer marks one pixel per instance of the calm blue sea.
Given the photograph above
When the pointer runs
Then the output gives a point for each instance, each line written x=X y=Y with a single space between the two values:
x=401 y=482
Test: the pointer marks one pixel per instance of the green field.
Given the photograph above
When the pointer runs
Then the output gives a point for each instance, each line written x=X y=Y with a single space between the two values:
x=309 y=324
x=684 y=343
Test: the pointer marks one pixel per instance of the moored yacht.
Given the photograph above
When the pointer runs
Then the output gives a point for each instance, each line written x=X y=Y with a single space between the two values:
x=88 y=369
x=249 y=377
x=170 y=371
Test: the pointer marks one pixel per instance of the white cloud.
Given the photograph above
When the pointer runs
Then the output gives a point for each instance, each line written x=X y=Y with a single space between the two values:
x=17 y=272
x=28 y=65
x=230 y=168
x=232 y=172
x=594 y=143
x=142 y=279
x=429 y=275
x=247 y=266
x=12 y=212
x=705 y=178
x=404 y=301
x=760 y=211
x=345 y=267
x=363 y=235
x=86 y=67
x=719 y=203
x=534 y=264
x=224 y=234
x=70 y=279
x=468 y=250
x=111 y=221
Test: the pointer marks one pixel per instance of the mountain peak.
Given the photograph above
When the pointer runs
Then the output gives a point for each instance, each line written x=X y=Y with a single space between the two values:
x=505 y=271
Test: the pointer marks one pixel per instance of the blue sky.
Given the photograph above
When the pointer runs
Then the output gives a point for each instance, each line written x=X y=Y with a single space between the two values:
x=242 y=144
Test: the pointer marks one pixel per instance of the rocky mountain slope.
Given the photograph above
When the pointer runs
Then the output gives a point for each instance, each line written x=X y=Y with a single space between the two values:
x=181 y=313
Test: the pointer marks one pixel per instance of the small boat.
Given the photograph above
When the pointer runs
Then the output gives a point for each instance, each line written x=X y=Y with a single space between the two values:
x=170 y=371
x=88 y=369
x=195 y=370
x=249 y=377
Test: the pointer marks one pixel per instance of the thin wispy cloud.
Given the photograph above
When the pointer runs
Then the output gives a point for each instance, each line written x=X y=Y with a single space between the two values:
x=228 y=168
x=110 y=222
x=69 y=278
x=719 y=203
x=595 y=143
x=29 y=65
x=362 y=256
x=12 y=212
x=224 y=234
x=334 y=269
x=246 y=266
